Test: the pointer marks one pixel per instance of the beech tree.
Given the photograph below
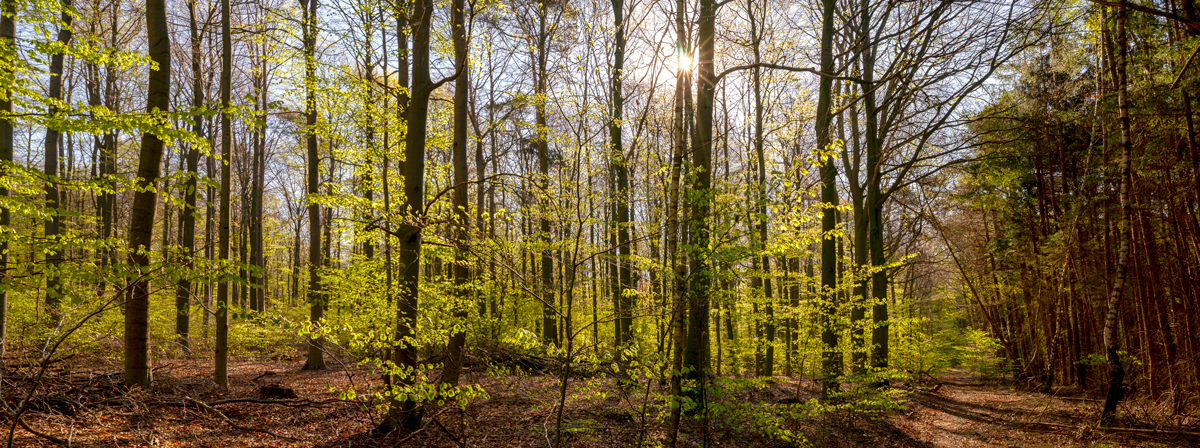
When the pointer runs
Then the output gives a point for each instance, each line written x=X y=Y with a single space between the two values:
x=141 y=222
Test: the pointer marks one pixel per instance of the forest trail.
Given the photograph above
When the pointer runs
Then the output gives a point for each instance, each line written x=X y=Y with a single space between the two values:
x=969 y=411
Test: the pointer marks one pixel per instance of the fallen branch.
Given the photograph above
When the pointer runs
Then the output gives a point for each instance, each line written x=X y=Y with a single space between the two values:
x=37 y=364
x=1080 y=398
x=35 y=432
x=424 y=425
x=235 y=425
x=455 y=439
x=1160 y=432
x=289 y=403
x=410 y=436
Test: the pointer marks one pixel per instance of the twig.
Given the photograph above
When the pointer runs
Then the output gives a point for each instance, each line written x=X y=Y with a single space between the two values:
x=235 y=425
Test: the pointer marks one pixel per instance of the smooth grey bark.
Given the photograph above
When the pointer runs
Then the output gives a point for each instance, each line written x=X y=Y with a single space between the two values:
x=8 y=31
x=257 y=289
x=762 y=281
x=404 y=413
x=221 y=364
x=674 y=232
x=316 y=357
x=624 y=298
x=1116 y=386
x=831 y=358
x=695 y=353
x=183 y=288
x=52 y=141
x=141 y=221
x=549 y=313
x=462 y=86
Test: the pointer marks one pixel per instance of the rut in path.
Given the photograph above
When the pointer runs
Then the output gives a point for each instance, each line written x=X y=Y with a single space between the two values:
x=967 y=411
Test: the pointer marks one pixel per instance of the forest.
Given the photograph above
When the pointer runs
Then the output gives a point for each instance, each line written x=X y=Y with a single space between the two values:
x=682 y=223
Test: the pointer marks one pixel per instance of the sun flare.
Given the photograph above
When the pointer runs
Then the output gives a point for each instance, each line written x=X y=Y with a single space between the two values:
x=683 y=60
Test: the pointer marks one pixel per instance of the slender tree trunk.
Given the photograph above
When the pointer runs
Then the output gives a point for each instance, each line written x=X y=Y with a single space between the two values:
x=674 y=229
x=1116 y=388
x=316 y=300
x=404 y=413
x=625 y=301
x=221 y=376
x=8 y=31
x=875 y=200
x=258 y=278
x=183 y=288
x=831 y=359
x=695 y=353
x=141 y=223
x=766 y=365
x=209 y=234
x=549 y=313
x=53 y=253
x=462 y=86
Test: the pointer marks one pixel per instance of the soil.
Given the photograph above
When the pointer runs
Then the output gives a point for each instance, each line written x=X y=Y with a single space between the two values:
x=91 y=409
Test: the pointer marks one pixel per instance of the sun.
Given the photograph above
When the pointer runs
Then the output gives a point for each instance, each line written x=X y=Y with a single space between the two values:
x=683 y=60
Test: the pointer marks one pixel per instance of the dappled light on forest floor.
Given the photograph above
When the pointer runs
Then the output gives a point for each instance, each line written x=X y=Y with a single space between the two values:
x=92 y=408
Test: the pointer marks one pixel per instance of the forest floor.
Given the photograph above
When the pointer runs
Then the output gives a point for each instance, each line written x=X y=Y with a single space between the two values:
x=88 y=408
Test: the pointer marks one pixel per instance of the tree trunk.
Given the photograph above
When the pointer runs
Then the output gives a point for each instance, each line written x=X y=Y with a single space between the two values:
x=766 y=366
x=695 y=354
x=549 y=313
x=316 y=357
x=462 y=86
x=183 y=288
x=405 y=413
x=1116 y=388
x=258 y=278
x=221 y=376
x=831 y=359
x=674 y=229
x=625 y=301
x=53 y=253
x=8 y=31
x=874 y=203
x=141 y=223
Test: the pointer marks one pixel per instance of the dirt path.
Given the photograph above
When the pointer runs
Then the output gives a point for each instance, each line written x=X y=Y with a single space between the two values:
x=968 y=412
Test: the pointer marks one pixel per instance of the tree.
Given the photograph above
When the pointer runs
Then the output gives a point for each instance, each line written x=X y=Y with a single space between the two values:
x=673 y=227
x=540 y=142
x=8 y=12
x=316 y=359
x=625 y=288
x=462 y=86
x=1116 y=387
x=831 y=359
x=54 y=254
x=141 y=223
x=183 y=288
x=223 y=218
x=404 y=413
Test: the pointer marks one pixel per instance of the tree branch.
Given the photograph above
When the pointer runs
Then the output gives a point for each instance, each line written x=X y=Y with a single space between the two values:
x=785 y=68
